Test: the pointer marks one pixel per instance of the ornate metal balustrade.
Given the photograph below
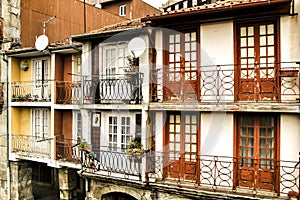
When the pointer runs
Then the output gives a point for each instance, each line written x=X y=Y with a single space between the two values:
x=31 y=91
x=114 y=163
x=66 y=149
x=31 y=146
x=219 y=173
x=228 y=83
x=117 y=88
x=68 y=92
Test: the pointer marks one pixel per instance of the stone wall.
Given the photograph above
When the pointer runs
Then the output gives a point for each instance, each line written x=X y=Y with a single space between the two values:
x=21 y=180
x=67 y=183
x=10 y=16
x=98 y=188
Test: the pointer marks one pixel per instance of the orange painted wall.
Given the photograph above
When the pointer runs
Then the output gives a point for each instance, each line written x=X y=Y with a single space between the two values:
x=69 y=19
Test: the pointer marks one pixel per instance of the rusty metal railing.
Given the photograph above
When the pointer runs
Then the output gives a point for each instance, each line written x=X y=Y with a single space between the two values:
x=68 y=92
x=31 y=146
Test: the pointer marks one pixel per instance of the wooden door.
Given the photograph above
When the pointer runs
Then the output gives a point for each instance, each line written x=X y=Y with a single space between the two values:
x=183 y=146
x=41 y=77
x=257 y=52
x=181 y=71
x=257 y=151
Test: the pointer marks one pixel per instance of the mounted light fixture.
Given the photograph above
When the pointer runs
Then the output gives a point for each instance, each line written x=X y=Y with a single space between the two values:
x=24 y=65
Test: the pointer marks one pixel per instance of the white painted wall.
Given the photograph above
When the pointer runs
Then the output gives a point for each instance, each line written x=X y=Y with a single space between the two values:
x=216 y=41
x=86 y=59
x=289 y=137
x=217 y=134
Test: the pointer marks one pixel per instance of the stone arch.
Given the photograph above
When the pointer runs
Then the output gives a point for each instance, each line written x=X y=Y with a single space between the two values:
x=117 y=196
x=119 y=189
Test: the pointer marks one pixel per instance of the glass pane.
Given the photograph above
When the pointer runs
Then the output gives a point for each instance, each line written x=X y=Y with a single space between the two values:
x=177 y=137
x=271 y=40
x=251 y=132
x=270 y=29
x=187 y=128
x=243 y=52
x=243 y=142
x=262 y=142
x=243 y=31
x=243 y=42
x=171 y=48
x=193 y=46
x=177 y=38
x=194 y=148
x=187 y=138
x=177 y=129
x=271 y=51
x=177 y=118
x=194 y=129
x=171 y=128
x=194 y=138
x=177 y=146
x=187 y=47
x=251 y=41
x=171 y=118
x=263 y=40
x=250 y=31
x=250 y=142
x=171 y=137
x=193 y=36
x=262 y=29
x=250 y=52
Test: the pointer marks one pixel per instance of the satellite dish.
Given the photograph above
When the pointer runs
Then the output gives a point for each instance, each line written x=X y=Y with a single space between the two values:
x=41 y=42
x=136 y=45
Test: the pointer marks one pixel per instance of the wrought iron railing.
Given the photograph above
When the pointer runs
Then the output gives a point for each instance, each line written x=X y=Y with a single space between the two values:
x=228 y=83
x=31 y=91
x=220 y=173
x=68 y=92
x=31 y=146
x=115 y=163
x=117 y=88
x=67 y=149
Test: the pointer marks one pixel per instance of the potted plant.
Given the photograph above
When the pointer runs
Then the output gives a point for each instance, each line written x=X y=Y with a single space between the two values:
x=84 y=146
x=135 y=148
x=132 y=68
x=27 y=97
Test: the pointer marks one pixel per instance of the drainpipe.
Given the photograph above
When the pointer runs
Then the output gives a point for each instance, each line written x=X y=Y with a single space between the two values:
x=7 y=130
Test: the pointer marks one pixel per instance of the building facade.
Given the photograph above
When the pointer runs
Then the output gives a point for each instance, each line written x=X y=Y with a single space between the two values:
x=217 y=114
x=44 y=90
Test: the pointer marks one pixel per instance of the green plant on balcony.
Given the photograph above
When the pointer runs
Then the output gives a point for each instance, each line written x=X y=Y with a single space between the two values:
x=20 y=98
x=27 y=97
x=132 y=68
x=135 y=148
x=35 y=97
x=84 y=146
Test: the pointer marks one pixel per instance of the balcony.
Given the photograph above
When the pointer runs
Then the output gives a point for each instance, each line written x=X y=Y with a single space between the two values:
x=68 y=92
x=215 y=174
x=225 y=84
x=117 y=88
x=112 y=163
x=66 y=149
x=31 y=91
x=31 y=146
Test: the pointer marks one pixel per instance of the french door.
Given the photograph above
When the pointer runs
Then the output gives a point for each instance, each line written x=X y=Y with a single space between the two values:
x=257 y=141
x=182 y=140
x=181 y=75
x=41 y=76
x=257 y=55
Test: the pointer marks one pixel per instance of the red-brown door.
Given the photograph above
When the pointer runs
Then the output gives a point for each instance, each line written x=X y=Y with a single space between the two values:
x=182 y=146
x=257 y=55
x=257 y=151
x=181 y=70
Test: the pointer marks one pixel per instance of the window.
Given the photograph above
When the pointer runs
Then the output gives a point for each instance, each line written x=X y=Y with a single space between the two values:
x=182 y=75
x=40 y=123
x=41 y=76
x=77 y=125
x=112 y=60
x=76 y=68
x=122 y=10
x=257 y=141
x=119 y=132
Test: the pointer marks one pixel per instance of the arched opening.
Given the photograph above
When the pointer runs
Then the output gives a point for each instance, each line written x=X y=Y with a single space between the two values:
x=117 y=196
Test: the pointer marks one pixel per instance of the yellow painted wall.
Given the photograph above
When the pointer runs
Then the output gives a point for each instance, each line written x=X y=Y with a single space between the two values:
x=17 y=74
x=21 y=121
x=15 y=122
x=15 y=70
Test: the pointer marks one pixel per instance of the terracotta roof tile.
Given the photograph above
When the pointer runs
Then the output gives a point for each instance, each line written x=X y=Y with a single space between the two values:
x=215 y=5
